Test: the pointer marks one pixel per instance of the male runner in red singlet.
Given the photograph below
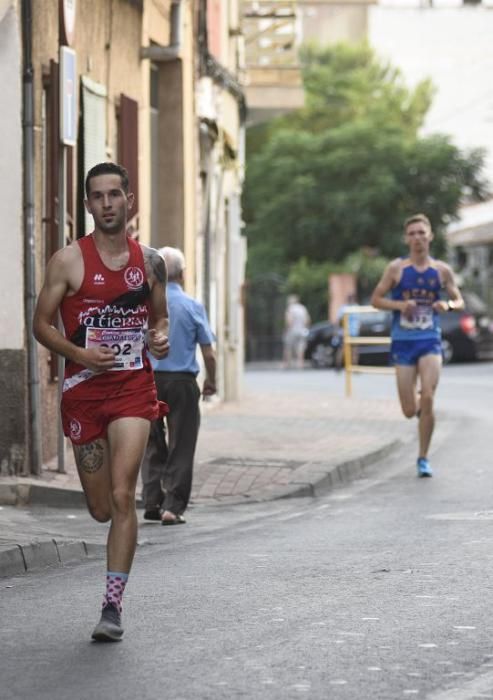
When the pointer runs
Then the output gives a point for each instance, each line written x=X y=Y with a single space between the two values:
x=111 y=293
x=415 y=283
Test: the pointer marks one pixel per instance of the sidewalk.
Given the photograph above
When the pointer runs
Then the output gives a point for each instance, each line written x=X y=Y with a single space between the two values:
x=270 y=445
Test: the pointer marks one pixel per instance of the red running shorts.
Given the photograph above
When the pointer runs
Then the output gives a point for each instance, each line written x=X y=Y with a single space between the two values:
x=88 y=419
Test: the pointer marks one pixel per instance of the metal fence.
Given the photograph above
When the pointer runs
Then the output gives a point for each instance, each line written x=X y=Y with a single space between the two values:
x=265 y=307
x=352 y=341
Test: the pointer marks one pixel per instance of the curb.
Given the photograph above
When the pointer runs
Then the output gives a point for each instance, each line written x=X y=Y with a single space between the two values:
x=20 y=559
x=27 y=492
x=24 y=493
x=347 y=471
x=328 y=477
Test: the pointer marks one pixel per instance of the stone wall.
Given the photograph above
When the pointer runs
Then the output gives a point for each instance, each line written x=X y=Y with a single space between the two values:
x=13 y=407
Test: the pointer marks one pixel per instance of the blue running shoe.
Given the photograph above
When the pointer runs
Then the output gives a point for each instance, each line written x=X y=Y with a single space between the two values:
x=424 y=468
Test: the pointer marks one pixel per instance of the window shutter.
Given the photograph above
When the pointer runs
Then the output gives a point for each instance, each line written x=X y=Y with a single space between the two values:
x=94 y=129
x=128 y=146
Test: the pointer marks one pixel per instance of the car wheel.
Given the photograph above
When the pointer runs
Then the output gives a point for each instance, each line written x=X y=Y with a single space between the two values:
x=447 y=351
x=322 y=356
x=339 y=357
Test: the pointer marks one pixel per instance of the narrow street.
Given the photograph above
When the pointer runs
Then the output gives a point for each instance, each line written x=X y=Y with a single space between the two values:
x=189 y=189
x=380 y=589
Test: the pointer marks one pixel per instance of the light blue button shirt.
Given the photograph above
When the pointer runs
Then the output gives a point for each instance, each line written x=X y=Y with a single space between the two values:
x=188 y=326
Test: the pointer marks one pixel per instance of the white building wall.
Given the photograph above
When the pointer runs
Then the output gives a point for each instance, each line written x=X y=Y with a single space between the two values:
x=224 y=161
x=11 y=259
x=453 y=47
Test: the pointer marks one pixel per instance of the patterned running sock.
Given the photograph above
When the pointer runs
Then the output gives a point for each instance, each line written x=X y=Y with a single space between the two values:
x=115 y=585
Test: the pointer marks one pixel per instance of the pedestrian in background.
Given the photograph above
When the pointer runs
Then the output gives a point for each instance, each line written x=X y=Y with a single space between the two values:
x=354 y=324
x=296 y=323
x=109 y=290
x=167 y=468
x=415 y=283
x=353 y=320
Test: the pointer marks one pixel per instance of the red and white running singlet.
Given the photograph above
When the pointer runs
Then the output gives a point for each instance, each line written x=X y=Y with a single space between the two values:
x=111 y=309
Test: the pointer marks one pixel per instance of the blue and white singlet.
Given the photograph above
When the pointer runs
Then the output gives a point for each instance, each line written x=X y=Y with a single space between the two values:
x=424 y=288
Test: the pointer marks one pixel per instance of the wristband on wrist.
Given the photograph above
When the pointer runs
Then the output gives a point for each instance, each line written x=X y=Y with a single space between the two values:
x=450 y=305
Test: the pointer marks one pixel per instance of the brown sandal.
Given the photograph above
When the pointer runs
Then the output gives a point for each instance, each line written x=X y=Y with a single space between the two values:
x=177 y=520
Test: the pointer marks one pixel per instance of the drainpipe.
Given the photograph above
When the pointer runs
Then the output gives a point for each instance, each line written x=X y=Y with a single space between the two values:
x=208 y=135
x=29 y=238
x=172 y=51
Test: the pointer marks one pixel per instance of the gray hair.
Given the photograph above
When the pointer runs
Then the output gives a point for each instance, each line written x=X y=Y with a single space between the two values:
x=175 y=262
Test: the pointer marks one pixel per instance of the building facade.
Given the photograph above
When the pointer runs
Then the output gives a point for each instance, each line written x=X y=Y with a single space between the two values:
x=13 y=370
x=334 y=21
x=470 y=241
x=272 y=37
x=129 y=84
x=221 y=248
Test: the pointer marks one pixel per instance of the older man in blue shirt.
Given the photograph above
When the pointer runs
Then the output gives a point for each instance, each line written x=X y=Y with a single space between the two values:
x=167 y=468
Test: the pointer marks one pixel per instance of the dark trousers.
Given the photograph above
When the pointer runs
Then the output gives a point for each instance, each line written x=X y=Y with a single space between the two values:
x=167 y=468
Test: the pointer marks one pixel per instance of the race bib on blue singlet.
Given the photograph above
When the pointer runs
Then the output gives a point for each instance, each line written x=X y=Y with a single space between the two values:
x=127 y=343
x=422 y=318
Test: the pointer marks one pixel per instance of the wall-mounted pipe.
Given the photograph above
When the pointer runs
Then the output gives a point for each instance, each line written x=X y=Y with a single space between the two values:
x=172 y=51
x=29 y=239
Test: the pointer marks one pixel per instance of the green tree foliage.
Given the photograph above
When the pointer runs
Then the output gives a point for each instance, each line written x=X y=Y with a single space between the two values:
x=344 y=172
x=368 y=268
x=308 y=279
x=328 y=194
x=347 y=83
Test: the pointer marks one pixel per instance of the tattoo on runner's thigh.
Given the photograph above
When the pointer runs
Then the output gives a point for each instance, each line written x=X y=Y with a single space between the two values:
x=90 y=457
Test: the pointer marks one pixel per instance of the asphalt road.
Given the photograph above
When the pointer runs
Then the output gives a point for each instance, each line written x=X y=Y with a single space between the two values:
x=382 y=589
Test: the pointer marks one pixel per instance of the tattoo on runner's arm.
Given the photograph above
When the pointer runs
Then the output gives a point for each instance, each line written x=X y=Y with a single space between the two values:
x=89 y=457
x=155 y=265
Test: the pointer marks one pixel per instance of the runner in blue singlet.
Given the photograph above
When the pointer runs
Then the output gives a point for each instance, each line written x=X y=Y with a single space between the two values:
x=415 y=283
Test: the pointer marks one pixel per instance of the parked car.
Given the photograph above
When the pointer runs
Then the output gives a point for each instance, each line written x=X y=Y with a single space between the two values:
x=324 y=345
x=467 y=336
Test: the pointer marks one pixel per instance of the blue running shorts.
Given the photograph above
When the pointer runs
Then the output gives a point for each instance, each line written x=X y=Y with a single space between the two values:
x=408 y=352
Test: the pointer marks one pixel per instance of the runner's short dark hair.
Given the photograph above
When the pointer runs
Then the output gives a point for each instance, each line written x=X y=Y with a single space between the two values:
x=107 y=168
x=416 y=218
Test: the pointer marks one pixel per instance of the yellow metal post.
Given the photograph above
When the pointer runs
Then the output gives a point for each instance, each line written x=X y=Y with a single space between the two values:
x=349 y=342
x=347 y=354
